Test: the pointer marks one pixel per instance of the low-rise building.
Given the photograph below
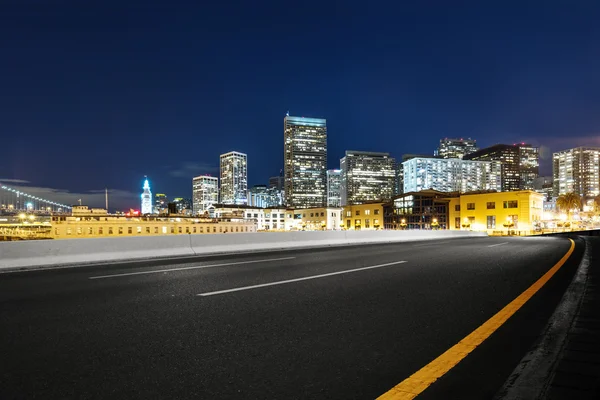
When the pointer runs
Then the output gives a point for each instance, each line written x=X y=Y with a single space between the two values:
x=314 y=219
x=89 y=223
x=489 y=211
x=517 y=211
x=367 y=216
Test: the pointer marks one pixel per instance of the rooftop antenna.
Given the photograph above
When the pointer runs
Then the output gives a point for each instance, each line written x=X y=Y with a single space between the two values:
x=106 y=198
x=287 y=114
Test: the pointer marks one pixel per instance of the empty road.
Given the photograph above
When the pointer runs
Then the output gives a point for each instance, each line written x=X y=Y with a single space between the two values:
x=338 y=323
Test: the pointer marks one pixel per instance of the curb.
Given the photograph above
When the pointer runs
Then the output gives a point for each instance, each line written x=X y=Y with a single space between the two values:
x=532 y=377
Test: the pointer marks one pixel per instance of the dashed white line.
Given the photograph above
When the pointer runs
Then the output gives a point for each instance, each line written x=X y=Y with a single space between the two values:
x=432 y=242
x=297 y=279
x=187 y=268
x=497 y=244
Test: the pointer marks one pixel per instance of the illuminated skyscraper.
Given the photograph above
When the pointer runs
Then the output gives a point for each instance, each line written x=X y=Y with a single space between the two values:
x=451 y=175
x=334 y=188
x=234 y=178
x=367 y=176
x=205 y=193
x=146 y=199
x=160 y=203
x=520 y=164
x=577 y=170
x=456 y=148
x=305 y=157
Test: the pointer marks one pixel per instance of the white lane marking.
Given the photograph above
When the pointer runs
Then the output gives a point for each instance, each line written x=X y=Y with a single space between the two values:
x=498 y=244
x=186 y=268
x=432 y=242
x=298 y=279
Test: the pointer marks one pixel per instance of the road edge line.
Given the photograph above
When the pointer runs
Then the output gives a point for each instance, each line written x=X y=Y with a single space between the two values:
x=415 y=384
x=530 y=379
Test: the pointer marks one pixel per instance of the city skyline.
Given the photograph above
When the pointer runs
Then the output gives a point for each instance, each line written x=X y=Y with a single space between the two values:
x=161 y=110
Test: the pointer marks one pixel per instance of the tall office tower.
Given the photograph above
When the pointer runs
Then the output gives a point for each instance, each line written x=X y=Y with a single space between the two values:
x=234 y=178
x=529 y=165
x=277 y=189
x=451 y=175
x=334 y=186
x=367 y=176
x=577 y=170
x=400 y=170
x=205 y=193
x=305 y=157
x=160 y=203
x=456 y=148
x=520 y=164
x=276 y=182
x=146 y=198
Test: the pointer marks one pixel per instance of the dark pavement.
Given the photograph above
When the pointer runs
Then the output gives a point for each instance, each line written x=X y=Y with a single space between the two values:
x=345 y=336
x=577 y=373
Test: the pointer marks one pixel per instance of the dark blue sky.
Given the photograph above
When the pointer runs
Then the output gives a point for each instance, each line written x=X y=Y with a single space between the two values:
x=100 y=95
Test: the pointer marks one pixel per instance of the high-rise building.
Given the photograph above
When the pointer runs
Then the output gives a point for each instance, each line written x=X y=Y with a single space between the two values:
x=234 y=178
x=577 y=170
x=305 y=157
x=520 y=164
x=334 y=187
x=451 y=175
x=544 y=185
x=367 y=176
x=400 y=170
x=146 y=198
x=258 y=196
x=276 y=182
x=456 y=148
x=183 y=206
x=205 y=193
x=529 y=165
x=160 y=203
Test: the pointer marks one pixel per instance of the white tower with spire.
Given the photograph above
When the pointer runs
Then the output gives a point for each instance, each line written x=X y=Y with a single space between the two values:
x=146 y=198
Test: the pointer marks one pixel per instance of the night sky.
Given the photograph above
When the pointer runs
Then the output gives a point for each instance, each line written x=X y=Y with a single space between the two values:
x=95 y=96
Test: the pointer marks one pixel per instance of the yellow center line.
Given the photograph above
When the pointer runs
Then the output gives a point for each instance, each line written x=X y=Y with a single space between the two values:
x=415 y=384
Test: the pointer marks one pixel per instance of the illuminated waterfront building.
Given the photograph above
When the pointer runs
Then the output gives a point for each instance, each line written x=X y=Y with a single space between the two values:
x=367 y=176
x=577 y=170
x=456 y=148
x=334 y=183
x=91 y=223
x=451 y=175
x=234 y=178
x=305 y=157
x=205 y=192
x=520 y=164
x=146 y=199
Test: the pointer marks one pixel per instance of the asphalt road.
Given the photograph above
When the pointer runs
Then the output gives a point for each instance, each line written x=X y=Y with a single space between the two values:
x=172 y=330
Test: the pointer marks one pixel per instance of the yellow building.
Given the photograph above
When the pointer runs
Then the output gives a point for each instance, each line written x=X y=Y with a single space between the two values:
x=497 y=212
x=368 y=216
x=89 y=223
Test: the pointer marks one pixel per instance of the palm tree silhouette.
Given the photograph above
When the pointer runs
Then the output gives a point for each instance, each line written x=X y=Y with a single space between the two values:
x=567 y=202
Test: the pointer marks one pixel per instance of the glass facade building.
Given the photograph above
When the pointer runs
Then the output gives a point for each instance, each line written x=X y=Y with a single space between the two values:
x=451 y=175
x=305 y=158
x=418 y=210
x=456 y=148
x=577 y=170
x=334 y=183
x=205 y=193
x=367 y=176
x=520 y=164
x=234 y=178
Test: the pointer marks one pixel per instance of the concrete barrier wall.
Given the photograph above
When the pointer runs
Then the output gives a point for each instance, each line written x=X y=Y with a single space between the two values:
x=83 y=251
